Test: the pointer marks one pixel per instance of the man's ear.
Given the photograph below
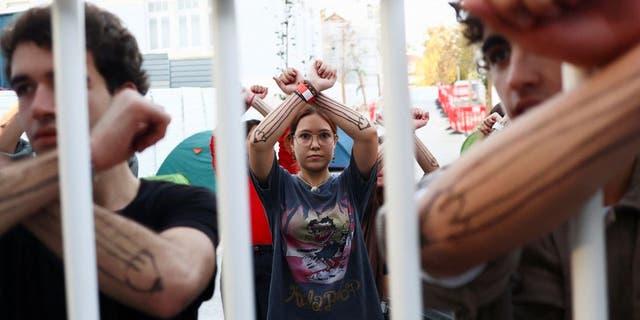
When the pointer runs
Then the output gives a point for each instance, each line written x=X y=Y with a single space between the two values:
x=126 y=85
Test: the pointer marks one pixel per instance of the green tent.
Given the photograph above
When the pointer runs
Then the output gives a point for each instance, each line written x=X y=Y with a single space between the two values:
x=471 y=141
x=192 y=159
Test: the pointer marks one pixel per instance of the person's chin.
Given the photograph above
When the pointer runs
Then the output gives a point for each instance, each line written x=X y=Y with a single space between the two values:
x=42 y=146
x=317 y=165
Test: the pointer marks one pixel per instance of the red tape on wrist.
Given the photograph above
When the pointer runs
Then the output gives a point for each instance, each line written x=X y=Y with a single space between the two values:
x=306 y=94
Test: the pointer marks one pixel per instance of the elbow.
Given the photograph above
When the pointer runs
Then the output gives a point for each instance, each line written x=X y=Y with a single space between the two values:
x=369 y=135
x=167 y=309
x=445 y=262
x=178 y=295
x=444 y=253
x=258 y=146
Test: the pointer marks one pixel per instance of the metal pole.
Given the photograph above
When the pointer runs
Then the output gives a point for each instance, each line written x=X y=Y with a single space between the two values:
x=587 y=242
x=73 y=148
x=402 y=231
x=231 y=158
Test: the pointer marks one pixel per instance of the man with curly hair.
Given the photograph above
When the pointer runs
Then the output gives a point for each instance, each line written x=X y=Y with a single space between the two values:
x=155 y=241
x=504 y=254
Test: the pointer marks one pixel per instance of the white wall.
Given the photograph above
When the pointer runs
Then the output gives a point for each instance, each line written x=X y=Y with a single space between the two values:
x=192 y=110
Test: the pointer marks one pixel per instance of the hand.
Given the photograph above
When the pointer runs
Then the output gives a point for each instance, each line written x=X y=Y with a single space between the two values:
x=420 y=118
x=288 y=80
x=131 y=123
x=584 y=32
x=486 y=126
x=322 y=76
x=254 y=91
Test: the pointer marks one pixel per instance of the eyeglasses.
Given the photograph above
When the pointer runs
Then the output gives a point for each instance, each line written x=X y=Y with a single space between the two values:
x=305 y=138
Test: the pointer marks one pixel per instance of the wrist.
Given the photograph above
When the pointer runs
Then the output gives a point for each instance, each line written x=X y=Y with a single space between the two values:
x=306 y=91
x=312 y=87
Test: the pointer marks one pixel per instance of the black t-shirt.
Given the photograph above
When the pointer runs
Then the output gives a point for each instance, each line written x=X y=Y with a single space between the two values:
x=32 y=278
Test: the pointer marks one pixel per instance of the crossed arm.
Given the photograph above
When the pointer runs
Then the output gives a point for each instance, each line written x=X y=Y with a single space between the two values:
x=424 y=157
x=581 y=140
x=358 y=127
x=266 y=134
x=158 y=273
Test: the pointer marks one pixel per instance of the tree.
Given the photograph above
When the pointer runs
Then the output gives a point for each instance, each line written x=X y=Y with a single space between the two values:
x=446 y=57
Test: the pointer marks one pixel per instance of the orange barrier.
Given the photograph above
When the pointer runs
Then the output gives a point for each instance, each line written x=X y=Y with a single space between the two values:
x=458 y=106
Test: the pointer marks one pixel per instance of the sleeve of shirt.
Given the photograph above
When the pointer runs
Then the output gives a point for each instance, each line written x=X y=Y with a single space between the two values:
x=360 y=186
x=481 y=289
x=269 y=192
x=212 y=149
x=285 y=155
x=195 y=207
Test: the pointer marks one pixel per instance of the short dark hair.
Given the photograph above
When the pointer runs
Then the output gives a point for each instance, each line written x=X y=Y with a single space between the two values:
x=473 y=27
x=473 y=31
x=114 y=49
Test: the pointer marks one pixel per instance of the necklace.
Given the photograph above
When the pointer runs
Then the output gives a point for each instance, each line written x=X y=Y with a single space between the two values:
x=314 y=188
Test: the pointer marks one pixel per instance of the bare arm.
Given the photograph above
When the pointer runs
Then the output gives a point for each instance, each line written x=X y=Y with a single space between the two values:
x=593 y=31
x=266 y=134
x=159 y=274
x=358 y=127
x=10 y=135
x=254 y=98
x=540 y=179
x=26 y=187
x=424 y=157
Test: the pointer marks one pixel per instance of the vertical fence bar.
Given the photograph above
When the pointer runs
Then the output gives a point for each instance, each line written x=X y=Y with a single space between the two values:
x=587 y=242
x=231 y=158
x=402 y=232
x=72 y=122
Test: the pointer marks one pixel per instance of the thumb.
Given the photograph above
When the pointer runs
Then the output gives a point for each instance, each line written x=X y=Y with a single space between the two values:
x=279 y=82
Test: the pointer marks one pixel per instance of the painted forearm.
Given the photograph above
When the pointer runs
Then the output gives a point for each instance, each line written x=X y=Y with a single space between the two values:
x=531 y=178
x=261 y=106
x=353 y=123
x=135 y=265
x=26 y=187
x=425 y=159
x=266 y=134
x=358 y=127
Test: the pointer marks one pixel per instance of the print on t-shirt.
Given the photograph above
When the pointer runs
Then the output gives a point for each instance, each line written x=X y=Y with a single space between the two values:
x=319 y=243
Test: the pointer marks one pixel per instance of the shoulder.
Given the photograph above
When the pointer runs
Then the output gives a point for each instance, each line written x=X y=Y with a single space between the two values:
x=164 y=191
x=162 y=205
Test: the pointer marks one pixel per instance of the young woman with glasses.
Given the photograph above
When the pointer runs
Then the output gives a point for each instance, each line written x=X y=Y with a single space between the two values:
x=320 y=266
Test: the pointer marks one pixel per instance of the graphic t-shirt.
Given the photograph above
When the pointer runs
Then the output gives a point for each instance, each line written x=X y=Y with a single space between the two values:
x=320 y=266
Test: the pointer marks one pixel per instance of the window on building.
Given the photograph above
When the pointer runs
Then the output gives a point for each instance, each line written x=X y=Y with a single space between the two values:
x=159 y=28
x=178 y=24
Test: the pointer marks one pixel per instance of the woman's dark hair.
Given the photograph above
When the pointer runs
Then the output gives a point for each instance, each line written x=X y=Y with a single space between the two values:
x=309 y=110
x=114 y=49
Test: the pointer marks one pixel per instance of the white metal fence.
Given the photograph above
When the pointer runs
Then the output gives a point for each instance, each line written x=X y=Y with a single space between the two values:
x=79 y=256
